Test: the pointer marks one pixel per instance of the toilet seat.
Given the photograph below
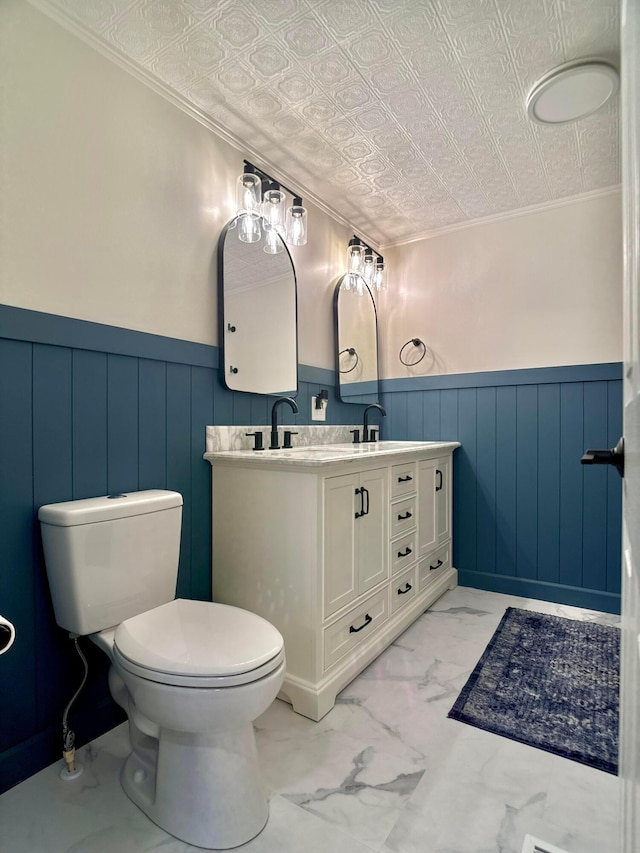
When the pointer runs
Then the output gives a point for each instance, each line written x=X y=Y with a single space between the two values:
x=198 y=644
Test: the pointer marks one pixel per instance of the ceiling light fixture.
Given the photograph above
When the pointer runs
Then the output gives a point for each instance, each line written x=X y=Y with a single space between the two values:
x=572 y=91
x=261 y=206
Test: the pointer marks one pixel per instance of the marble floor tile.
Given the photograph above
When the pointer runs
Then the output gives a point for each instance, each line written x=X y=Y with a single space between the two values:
x=385 y=770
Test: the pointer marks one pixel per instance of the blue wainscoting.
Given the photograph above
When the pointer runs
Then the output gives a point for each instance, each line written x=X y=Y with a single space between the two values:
x=529 y=519
x=88 y=409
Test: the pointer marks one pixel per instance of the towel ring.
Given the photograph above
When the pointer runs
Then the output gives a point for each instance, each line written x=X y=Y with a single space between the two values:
x=416 y=343
x=350 y=351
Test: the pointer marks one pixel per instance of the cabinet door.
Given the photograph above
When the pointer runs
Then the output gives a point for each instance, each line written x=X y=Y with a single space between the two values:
x=443 y=499
x=372 y=530
x=340 y=574
x=427 y=522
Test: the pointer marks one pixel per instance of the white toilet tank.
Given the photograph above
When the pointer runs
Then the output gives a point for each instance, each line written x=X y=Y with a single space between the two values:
x=112 y=557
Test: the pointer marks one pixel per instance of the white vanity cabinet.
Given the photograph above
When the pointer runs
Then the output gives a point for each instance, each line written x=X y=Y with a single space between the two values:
x=354 y=536
x=340 y=553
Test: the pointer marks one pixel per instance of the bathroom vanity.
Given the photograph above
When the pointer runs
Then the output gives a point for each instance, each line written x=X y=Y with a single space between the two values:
x=340 y=546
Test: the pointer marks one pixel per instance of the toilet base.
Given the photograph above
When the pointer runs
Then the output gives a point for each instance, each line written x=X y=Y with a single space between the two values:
x=204 y=789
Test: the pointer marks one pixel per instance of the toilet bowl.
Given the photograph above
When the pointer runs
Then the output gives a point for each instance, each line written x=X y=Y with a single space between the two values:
x=192 y=676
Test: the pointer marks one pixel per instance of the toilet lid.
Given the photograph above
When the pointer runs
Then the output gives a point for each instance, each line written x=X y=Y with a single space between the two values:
x=198 y=638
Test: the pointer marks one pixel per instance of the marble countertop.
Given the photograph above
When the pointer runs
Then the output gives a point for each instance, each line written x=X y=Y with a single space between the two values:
x=331 y=454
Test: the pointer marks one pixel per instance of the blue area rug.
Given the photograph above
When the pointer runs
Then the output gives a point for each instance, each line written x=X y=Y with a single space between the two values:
x=549 y=682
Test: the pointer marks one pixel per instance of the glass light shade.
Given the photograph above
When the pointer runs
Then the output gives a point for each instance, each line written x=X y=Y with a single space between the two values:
x=369 y=267
x=273 y=209
x=380 y=277
x=248 y=194
x=249 y=230
x=359 y=285
x=273 y=245
x=297 y=225
x=355 y=255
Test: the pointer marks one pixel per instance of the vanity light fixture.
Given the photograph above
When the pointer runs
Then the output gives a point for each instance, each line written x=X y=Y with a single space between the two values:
x=364 y=267
x=572 y=91
x=261 y=206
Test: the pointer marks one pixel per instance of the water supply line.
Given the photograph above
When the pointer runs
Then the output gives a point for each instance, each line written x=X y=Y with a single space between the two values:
x=72 y=770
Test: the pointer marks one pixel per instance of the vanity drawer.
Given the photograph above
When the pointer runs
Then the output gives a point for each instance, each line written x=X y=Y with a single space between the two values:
x=434 y=565
x=403 y=479
x=355 y=627
x=403 y=553
x=403 y=517
x=403 y=589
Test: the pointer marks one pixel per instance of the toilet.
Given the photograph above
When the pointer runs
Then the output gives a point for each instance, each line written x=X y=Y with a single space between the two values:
x=192 y=676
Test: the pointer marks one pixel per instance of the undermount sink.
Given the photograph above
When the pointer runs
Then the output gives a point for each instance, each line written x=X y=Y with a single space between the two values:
x=346 y=450
x=326 y=450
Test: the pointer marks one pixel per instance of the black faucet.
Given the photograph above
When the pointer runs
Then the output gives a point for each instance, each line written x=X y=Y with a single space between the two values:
x=274 y=419
x=366 y=433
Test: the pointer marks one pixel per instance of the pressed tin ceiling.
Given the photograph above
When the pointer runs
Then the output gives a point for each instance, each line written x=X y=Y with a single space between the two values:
x=401 y=116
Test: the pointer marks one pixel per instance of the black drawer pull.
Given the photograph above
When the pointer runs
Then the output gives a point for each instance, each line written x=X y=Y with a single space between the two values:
x=437 y=566
x=406 y=479
x=439 y=475
x=405 y=553
x=407 y=588
x=367 y=620
x=405 y=516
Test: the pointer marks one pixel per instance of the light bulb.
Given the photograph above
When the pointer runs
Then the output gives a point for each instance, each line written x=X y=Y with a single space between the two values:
x=359 y=285
x=368 y=267
x=273 y=208
x=355 y=253
x=249 y=228
x=273 y=245
x=297 y=224
x=248 y=194
x=380 y=278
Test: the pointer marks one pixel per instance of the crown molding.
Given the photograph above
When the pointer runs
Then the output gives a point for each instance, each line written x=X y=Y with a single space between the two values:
x=509 y=214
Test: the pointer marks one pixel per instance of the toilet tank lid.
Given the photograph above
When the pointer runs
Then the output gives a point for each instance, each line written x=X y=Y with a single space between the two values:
x=108 y=508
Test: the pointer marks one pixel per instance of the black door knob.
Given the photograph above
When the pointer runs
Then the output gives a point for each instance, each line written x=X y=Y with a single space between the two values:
x=615 y=456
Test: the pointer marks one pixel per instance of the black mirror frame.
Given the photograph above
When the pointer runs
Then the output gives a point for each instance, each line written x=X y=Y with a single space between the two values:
x=337 y=344
x=221 y=320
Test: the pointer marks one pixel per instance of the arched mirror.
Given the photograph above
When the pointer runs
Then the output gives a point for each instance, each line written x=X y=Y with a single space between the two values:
x=356 y=342
x=258 y=315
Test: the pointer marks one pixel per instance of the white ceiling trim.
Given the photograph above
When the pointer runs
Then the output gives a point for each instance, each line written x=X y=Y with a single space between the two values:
x=160 y=88
x=509 y=214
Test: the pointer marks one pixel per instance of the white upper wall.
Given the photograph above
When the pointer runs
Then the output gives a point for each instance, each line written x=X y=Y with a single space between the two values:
x=534 y=290
x=113 y=199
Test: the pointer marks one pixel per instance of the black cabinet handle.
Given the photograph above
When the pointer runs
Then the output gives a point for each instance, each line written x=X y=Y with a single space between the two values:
x=405 y=516
x=439 y=474
x=365 y=492
x=437 y=566
x=359 y=513
x=367 y=620
x=406 y=479
x=405 y=553
x=406 y=589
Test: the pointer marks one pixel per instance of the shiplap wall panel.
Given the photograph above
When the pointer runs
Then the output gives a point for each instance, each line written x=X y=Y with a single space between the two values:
x=152 y=413
x=549 y=482
x=528 y=517
x=17 y=575
x=486 y=480
x=76 y=423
